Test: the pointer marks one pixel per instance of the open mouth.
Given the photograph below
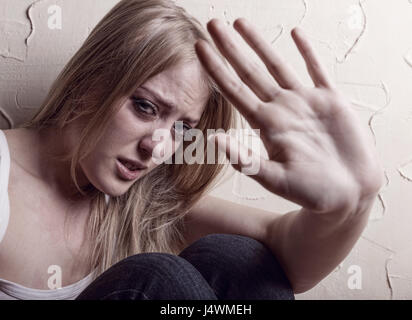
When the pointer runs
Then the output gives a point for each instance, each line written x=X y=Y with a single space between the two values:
x=128 y=165
x=128 y=171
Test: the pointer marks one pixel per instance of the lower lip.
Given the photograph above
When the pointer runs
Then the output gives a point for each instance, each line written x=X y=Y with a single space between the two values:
x=126 y=173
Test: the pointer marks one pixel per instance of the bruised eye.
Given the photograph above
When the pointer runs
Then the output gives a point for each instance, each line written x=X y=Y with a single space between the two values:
x=144 y=106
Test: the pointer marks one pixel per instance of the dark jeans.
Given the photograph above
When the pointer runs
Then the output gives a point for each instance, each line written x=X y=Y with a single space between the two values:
x=217 y=266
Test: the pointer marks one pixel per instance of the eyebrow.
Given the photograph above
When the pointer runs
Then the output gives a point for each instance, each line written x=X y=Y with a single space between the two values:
x=170 y=105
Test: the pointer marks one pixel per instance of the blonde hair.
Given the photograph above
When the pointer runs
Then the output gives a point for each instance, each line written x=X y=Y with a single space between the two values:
x=136 y=40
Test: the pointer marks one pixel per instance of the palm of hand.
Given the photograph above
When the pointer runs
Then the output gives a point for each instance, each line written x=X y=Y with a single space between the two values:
x=320 y=156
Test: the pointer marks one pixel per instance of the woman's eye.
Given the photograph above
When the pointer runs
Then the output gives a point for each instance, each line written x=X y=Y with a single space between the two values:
x=181 y=128
x=144 y=106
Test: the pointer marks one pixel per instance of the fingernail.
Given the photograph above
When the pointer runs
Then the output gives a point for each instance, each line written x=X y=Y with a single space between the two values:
x=219 y=24
x=242 y=20
x=299 y=31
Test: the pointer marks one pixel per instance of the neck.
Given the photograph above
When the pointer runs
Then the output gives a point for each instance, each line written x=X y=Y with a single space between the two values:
x=53 y=146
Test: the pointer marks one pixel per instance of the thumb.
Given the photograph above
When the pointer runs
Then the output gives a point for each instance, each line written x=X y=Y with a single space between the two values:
x=270 y=174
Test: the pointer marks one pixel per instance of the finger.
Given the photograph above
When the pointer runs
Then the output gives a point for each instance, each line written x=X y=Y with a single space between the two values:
x=250 y=73
x=240 y=157
x=232 y=87
x=269 y=174
x=315 y=68
x=280 y=70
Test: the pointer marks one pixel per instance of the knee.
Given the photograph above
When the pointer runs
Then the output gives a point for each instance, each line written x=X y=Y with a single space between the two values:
x=233 y=249
x=155 y=263
x=147 y=269
x=150 y=276
x=242 y=259
x=165 y=276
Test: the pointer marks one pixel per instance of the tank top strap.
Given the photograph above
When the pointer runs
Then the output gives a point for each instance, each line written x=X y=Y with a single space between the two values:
x=4 y=183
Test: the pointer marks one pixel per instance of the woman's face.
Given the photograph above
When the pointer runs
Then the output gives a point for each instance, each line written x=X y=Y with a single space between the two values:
x=177 y=94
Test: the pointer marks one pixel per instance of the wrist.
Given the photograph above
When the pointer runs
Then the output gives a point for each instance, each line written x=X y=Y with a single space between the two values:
x=352 y=200
x=349 y=213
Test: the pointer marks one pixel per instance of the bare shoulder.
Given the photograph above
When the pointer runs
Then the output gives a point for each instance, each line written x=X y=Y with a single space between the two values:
x=216 y=215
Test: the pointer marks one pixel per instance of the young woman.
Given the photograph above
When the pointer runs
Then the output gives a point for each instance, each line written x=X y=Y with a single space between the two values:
x=81 y=194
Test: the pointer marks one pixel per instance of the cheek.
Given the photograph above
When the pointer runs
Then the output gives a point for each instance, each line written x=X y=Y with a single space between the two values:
x=122 y=127
x=92 y=169
x=122 y=133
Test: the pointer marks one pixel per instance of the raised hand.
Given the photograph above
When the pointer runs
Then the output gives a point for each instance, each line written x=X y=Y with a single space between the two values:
x=320 y=156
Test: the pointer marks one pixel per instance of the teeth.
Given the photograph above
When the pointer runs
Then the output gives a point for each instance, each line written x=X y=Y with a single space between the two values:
x=130 y=166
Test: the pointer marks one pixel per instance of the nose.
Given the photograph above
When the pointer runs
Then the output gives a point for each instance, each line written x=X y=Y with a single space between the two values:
x=146 y=147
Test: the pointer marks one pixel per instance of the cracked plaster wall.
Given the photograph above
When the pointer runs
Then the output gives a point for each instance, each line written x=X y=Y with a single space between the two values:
x=367 y=48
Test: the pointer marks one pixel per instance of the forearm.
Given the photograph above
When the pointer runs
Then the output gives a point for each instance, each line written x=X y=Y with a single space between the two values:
x=310 y=245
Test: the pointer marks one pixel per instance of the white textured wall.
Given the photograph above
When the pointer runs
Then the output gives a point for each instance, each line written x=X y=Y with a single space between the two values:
x=367 y=47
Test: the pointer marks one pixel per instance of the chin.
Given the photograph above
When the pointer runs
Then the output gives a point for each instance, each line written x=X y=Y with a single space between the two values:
x=115 y=187
x=108 y=185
